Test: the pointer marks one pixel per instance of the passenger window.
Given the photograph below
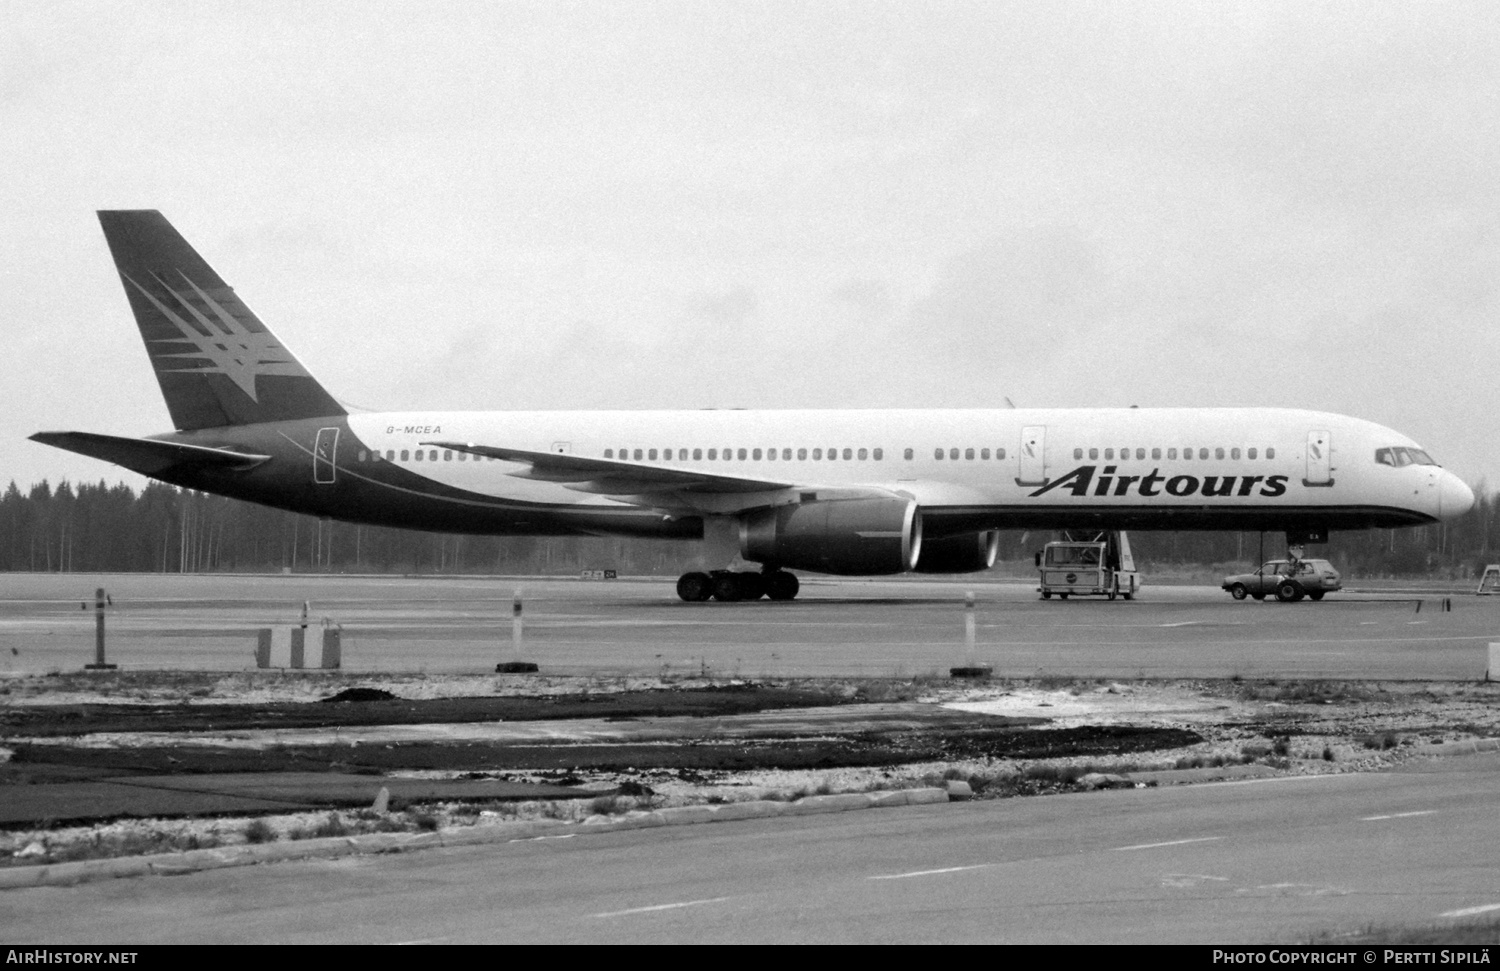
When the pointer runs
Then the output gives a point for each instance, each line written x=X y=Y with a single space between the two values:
x=1093 y=455
x=771 y=454
x=1203 y=454
x=1234 y=453
x=1109 y=453
x=1077 y=453
x=363 y=455
x=801 y=455
x=1219 y=454
x=728 y=454
x=651 y=455
x=909 y=454
x=1187 y=455
x=879 y=454
x=755 y=455
x=1171 y=454
x=697 y=454
x=742 y=455
x=419 y=456
x=1156 y=455
x=463 y=456
x=862 y=454
x=609 y=453
x=1270 y=453
x=953 y=454
x=1251 y=454
x=447 y=455
x=937 y=453
x=637 y=455
x=666 y=454
x=432 y=455
x=390 y=455
x=817 y=454
x=833 y=454
x=999 y=453
x=984 y=453
x=713 y=453
x=969 y=453
x=405 y=455
x=786 y=455
x=848 y=454
x=1140 y=453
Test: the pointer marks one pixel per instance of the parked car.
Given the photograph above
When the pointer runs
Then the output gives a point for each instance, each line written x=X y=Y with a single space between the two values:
x=1288 y=580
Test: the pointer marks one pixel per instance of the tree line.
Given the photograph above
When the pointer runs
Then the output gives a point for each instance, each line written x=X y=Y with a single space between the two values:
x=102 y=528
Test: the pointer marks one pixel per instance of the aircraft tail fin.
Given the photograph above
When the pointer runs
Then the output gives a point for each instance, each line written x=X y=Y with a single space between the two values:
x=217 y=364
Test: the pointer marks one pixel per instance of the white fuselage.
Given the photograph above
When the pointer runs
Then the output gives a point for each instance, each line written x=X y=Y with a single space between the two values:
x=1009 y=461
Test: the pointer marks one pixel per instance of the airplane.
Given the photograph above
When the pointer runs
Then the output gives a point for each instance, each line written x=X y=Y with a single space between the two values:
x=841 y=492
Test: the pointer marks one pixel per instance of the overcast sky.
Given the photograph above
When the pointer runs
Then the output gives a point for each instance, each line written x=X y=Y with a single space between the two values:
x=685 y=205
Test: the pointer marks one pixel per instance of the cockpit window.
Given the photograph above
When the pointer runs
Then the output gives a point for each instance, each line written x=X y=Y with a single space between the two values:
x=1398 y=456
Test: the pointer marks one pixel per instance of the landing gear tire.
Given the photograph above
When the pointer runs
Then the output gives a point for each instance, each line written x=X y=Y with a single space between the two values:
x=1258 y=596
x=752 y=585
x=695 y=587
x=1238 y=591
x=1315 y=594
x=781 y=585
x=1046 y=594
x=1062 y=596
x=727 y=588
x=1288 y=592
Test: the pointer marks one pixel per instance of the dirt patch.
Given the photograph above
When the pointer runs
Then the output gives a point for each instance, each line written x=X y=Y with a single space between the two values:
x=51 y=721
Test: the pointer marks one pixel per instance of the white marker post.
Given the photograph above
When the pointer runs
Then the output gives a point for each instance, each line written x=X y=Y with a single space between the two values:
x=515 y=625
x=99 y=662
x=969 y=626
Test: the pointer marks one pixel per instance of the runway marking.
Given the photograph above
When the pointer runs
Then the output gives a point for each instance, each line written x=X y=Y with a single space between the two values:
x=656 y=907
x=1152 y=846
x=1471 y=911
x=1420 y=812
x=928 y=873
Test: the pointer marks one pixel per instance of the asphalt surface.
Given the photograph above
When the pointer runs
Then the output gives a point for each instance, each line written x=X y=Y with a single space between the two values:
x=892 y=628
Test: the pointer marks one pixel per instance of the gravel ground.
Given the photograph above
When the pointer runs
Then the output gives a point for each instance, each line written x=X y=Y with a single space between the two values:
x=1283 y=727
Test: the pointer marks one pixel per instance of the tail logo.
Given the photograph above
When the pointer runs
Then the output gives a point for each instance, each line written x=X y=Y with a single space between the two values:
x=223 y=343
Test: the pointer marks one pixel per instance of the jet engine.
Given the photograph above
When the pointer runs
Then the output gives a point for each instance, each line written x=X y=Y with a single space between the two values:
x=849 y=537
x=964 y=553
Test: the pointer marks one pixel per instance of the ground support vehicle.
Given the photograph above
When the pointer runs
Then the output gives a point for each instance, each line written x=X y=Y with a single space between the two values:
x=1289 y=580
x=1098 y=567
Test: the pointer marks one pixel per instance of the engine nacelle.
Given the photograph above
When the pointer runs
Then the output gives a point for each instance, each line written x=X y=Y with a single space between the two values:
x=848 y=537
x=965 y=553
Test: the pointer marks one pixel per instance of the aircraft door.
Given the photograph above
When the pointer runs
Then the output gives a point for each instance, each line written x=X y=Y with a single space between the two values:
x=1033 y=453
x=1319 y=459
x=325 y=453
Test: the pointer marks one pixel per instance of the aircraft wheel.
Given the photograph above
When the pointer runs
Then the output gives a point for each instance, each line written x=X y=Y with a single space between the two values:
x=1062 y=596
x=1288 y=592
x=727 y=588
x=1238 y=591
x=1047 y=594
x=1258 y=596
x=752 y=585
x=695 y=587
x=1315 y=594
x=781 y=585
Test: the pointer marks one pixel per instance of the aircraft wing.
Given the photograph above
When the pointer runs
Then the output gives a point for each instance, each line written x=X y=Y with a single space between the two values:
x=148 y=456
x=611 y=477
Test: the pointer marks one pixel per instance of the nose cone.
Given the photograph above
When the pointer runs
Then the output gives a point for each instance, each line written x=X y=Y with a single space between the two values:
x=1454 y=497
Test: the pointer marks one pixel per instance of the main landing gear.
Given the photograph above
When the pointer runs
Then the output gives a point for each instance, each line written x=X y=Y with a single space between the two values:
x=729 y=586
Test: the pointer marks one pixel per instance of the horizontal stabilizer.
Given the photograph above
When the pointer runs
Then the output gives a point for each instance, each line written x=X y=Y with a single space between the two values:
x=615 y=478
x=148 y=456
